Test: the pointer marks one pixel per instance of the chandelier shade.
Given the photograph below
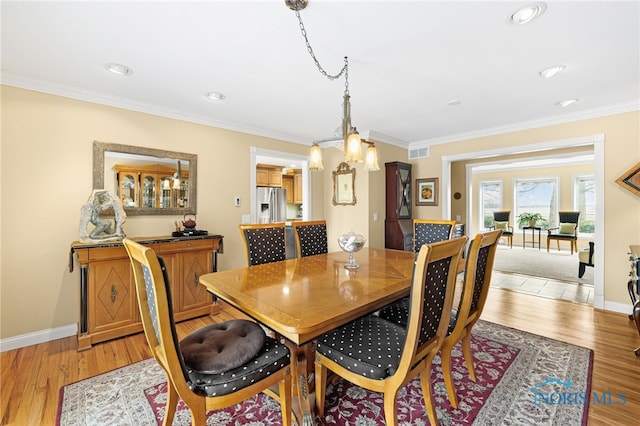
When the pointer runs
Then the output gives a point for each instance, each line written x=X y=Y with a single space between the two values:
x=315 y=158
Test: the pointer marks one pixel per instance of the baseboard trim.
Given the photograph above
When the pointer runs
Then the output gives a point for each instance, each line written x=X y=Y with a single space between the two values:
x=622 y=308
x=37 y=337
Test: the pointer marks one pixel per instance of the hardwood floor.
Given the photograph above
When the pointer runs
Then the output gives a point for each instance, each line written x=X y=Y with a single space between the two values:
x=31 y=377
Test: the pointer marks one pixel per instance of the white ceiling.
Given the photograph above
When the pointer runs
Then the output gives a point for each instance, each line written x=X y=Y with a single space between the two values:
x=407 y=60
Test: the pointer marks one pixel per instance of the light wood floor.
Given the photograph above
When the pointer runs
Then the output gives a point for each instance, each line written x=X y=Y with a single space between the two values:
x=32 y=376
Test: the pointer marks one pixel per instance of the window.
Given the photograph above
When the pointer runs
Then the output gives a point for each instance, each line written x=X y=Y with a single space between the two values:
x=537 y=195
x=584 y=200
x=490 y=201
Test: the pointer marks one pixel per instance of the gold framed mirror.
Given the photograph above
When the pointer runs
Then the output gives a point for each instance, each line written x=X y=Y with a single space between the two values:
x=344 y=182
x=147 y=181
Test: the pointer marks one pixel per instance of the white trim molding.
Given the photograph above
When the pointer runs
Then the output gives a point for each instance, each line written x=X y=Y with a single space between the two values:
x=37 y=337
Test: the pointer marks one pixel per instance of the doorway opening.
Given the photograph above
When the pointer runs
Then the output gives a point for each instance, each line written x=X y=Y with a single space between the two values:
x=596 y=141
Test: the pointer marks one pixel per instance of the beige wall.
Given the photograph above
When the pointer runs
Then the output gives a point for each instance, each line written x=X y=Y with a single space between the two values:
x=621 y=207
x=46 y=172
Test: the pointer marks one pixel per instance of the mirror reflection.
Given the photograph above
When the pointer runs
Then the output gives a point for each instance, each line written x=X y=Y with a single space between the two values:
x=147 y=181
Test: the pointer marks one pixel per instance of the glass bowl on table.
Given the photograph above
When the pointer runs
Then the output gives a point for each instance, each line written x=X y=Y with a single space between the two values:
x=351 y=243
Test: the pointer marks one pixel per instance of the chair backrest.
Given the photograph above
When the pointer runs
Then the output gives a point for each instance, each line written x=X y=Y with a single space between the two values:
x=427 y=231
x=311 y=237
x=154 y=301
x=568 y=217
x=264 y=243
x=477 y=277
x=430 y=300
x=502 y=216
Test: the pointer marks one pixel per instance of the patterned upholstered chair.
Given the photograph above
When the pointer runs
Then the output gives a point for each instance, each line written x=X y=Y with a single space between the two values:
x=264 y=243
x=427 y=231
x=585 y=257
x=566 y=231
x=502 y=221
x=475 y=288
x=311 y=237
x=382 y=356
x=477 y=278
x=217 y=365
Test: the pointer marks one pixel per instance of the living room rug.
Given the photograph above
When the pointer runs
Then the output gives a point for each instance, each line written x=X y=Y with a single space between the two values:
x=556 y=265
x=522 y=379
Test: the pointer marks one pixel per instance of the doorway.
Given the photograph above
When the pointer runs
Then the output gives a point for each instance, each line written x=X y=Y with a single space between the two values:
x=597 y=141
x=284 y=159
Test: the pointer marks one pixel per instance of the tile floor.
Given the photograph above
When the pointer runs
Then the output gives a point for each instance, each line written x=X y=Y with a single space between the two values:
x=543 y=287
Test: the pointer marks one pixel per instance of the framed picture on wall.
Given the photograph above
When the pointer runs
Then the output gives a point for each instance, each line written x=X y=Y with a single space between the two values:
x=427 y=192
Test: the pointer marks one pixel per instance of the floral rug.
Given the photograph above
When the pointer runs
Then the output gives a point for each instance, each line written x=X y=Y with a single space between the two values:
x=522 y=379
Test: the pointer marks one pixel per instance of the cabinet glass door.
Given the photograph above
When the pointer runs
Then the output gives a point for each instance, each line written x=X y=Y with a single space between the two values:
x=127 y=190
x=149 y=191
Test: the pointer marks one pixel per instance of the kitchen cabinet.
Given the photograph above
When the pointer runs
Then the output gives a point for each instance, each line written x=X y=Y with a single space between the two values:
x=108 y=303
x=267 y=175
x=297 y=188
x=289 y=185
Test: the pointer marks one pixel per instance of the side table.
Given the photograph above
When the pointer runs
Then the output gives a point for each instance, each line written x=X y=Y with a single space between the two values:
x=533 y=235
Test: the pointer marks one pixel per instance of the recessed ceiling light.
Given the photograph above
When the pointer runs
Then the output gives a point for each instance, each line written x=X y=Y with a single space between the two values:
x=454 y=102
x=528 y=13
x=551 y=71
x=118 y=69
x=566 y=102
x=215 y=96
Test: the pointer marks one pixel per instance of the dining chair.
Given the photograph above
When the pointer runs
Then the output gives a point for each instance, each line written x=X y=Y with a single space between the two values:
x=585 y=258
x=566 y=231
x=475 y=288
x=502 y=221
x=381 y=356
x=264 y=243
x=311 y=237
x=427 y=231
x=215 y=366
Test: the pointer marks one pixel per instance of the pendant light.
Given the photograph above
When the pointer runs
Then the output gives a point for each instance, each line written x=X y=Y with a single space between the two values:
x=351 y=137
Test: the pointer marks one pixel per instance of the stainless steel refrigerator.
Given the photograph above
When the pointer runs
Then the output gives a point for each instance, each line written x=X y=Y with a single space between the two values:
x=272 y=204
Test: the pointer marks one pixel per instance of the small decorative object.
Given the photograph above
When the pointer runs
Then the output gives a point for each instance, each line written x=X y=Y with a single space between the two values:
x=530 y=219
x=631 y=180
x=351 y=243
x=189 y=224
x=100 y=203
x=427 y=192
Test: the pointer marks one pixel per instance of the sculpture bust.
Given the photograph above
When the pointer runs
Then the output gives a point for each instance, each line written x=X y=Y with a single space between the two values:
x=92 y=212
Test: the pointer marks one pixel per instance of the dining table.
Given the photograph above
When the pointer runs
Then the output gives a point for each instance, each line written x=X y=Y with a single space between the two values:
x=300 y=299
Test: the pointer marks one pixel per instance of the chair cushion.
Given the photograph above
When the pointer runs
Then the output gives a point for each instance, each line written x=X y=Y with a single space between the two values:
x=501 y=225
x=583 y=256
x=217 y=348
x=369 y=346
x=567 y=228
x=273 y=357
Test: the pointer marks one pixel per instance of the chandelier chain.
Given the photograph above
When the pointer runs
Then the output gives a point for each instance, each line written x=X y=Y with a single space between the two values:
x=345 y=67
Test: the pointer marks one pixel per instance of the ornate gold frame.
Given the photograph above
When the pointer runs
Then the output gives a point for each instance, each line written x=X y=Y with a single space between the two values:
x=344 y=183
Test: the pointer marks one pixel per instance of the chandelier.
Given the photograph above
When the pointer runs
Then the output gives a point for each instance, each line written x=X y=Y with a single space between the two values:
x=352 y=142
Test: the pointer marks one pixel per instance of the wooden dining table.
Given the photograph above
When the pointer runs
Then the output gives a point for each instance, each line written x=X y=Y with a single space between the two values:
x=300 y=299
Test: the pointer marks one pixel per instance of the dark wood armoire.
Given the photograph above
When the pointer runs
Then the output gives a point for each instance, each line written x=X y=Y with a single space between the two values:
x=398 y=223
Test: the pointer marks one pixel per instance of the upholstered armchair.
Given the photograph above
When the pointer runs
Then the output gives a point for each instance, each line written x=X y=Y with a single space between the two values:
x=585 y=256
x=566 y=231
x=502 y=221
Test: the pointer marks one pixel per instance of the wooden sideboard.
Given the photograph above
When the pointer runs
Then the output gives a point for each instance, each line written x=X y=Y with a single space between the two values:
x=108 y=303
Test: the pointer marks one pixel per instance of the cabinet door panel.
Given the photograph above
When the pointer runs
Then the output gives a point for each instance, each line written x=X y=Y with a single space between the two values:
x=112 y=294
x=192 y=294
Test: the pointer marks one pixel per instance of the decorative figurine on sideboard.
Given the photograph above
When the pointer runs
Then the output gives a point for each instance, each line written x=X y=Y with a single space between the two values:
x=100 y=203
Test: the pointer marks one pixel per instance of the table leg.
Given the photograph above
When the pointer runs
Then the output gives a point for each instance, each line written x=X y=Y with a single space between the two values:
x=303 y=382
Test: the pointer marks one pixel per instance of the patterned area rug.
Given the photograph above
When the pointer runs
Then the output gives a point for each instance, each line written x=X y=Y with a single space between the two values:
x=522 y=379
